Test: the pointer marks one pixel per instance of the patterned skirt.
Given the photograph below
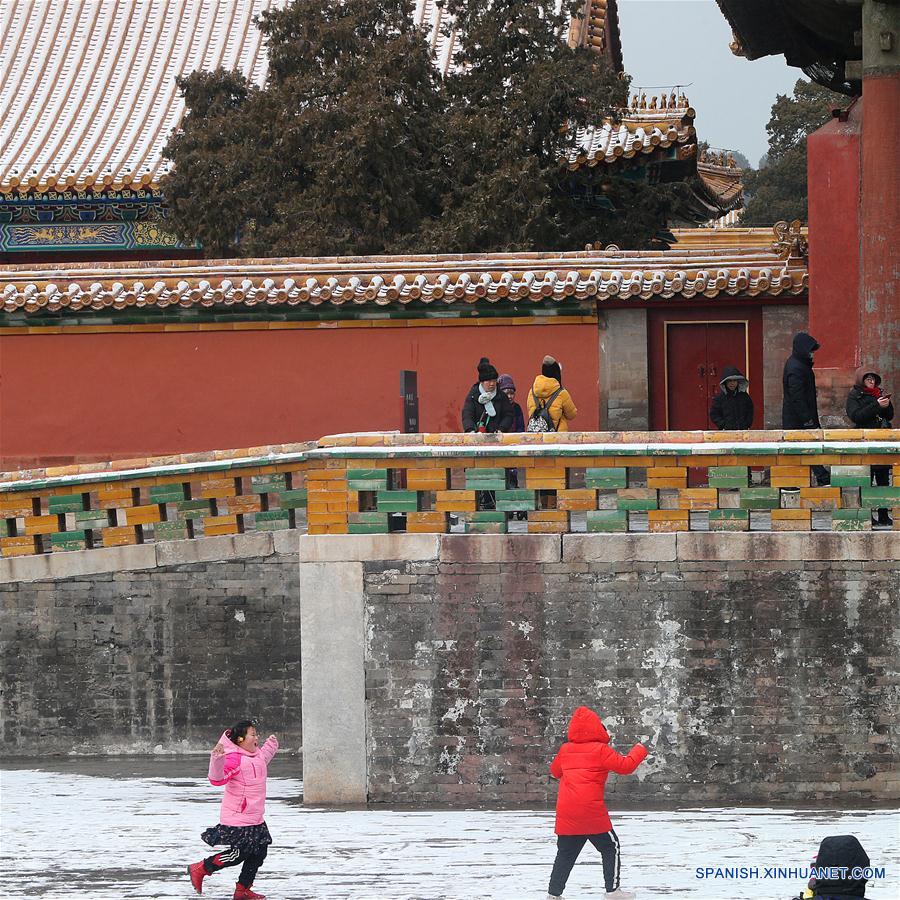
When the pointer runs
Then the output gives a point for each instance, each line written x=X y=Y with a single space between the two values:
x=248 y=838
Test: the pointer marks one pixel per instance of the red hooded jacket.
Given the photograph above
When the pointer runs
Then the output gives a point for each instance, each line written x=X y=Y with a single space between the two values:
x=582 y=765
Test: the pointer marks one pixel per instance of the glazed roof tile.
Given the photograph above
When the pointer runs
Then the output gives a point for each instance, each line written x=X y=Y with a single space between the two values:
x=399 y=280
x=88 y=86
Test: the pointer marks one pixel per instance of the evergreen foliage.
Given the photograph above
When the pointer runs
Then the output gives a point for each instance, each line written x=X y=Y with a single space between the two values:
x=356 y=145
x=778 y=190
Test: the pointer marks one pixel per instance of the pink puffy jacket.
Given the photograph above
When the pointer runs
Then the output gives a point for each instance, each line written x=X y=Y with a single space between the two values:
x=244 y=777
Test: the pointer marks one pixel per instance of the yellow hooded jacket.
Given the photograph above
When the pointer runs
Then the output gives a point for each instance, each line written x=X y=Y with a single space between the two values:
x=562 y=409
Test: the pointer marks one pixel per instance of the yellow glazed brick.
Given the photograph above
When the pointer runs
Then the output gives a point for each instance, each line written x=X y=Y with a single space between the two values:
x=697 y=462
x=667 y=482
x=449 y=496
x=118 y=536
x=326 y=474
x=666 y=471
x=793 y=481
x=791 y=514
x=326 y=518
x=698 y=498
x=668 y=520
x=41 y=524
x=576 y=499
x=24 y=545
x=548 y=515
x=246 y=503
x=455 y=506
x=547 y=527
x=17 y=505
x=213 y=487
x=820 y=498
x=844 y=434
x=328 y=496
x=142 y=515
x=225 y=528
x=786 y=471
x=426 y=479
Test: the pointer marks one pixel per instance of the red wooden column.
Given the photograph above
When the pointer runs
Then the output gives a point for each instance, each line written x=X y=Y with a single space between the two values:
x=879 y=306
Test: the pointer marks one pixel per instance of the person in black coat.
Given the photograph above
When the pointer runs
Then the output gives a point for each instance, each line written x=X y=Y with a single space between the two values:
x=799 y=408
x=869 y=407
x=486 y=408
x=732 y=408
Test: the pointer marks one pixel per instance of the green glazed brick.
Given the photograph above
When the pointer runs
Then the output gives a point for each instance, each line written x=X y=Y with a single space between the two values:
x=728 y=476
x=647 y=498
x=760 y=498
x=4 y=528
x=272 y=519
x=515 y=494
x=851 y=476
x=171 y=531
x=485 y=528
x=266 y=484
x=295 y=499
x=606 y=478
x=273 y=515
x=516 y=505
x=851 y=520
x=485 y=474
x=397 y=501
x=485 y=515
x=876 y=497
x=354 y=528
x=368 y=518
x=93 y=518
x=485 y=485
x=367 y=475
x=166 y=493
x=65 y=503
x=729 y=520
x=68 y=540
x=193 y=509
x=367 y=484
x=607 y=520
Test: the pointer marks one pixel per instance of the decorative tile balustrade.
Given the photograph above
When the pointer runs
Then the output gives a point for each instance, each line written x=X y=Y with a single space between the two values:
x=376 y=483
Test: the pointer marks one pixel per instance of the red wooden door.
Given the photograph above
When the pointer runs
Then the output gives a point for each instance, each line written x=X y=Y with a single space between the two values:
x=696 y=354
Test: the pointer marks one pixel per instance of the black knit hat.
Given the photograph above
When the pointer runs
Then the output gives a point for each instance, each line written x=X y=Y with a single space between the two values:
x=486 y=372
x=551 y=369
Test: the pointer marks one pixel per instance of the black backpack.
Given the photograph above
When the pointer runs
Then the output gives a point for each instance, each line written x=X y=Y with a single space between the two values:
x=541 y=421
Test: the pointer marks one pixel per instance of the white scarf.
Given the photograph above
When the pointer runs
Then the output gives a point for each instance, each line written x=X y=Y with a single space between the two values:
x=485 y=398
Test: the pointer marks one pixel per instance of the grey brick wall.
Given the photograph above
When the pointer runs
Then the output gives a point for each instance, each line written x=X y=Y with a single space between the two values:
x=128 y=661
x=753 y=680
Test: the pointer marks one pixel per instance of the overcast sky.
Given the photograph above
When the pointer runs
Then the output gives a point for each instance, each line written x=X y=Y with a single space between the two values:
x=668 y=42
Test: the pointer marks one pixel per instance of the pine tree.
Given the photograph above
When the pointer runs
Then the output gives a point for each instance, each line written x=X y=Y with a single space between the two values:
x=357 y=146
x=777 y=191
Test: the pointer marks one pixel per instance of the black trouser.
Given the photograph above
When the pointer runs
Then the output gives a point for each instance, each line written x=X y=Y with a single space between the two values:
x=231 y=857
x=882 y=476
x=568 y=846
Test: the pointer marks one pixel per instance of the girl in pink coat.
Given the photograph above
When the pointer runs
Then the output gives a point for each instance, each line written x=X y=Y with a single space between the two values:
x=239 y=763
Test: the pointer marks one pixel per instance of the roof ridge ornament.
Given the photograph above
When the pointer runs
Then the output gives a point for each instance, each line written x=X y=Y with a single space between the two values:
x=789 y=242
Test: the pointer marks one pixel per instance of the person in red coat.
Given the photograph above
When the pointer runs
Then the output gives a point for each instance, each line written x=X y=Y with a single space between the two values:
x=582 y=765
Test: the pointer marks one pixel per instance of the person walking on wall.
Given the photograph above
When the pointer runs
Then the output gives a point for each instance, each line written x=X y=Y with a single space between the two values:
x=582 y=766
x=486 y=408
x=238 y=763
x=550 y=406
x=732 y=407
x=799 y=407
x=508 y=386
x=868 y=406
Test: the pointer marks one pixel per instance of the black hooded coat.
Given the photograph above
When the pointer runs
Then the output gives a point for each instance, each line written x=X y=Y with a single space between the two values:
x=842 y=851
x=732 y=410
x=799 y=408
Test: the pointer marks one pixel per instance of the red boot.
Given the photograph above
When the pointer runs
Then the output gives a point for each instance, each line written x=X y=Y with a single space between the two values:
x=198 y=872
x=246 y=893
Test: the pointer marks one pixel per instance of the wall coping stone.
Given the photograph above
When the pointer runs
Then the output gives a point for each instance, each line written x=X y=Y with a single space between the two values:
x=619 y=547
x=490 y=548
x=358 y=547
x=210 y=549
x=794 y=545
x=76 y=563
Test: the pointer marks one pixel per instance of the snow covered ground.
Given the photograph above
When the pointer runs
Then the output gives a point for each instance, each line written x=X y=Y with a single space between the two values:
x=108 y=833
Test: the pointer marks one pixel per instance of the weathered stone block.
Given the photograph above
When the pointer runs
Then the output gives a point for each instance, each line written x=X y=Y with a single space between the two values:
x=618 y=547
x=338 y=548
x=500 y=548
x=215 y=547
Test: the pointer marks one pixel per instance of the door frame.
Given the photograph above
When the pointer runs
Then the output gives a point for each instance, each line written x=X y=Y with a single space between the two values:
x=658 y=321
x=668 y=322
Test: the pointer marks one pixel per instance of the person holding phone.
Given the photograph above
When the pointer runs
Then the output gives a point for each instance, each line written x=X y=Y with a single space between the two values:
x=868 y=406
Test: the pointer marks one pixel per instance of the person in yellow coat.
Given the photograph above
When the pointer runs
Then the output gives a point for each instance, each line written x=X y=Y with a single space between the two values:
x=550 y=406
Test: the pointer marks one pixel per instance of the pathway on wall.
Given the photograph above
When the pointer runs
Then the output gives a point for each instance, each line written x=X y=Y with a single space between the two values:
x=132 y=836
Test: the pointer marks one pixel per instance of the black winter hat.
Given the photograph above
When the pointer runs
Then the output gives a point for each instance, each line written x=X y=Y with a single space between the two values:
x=550 y=368
x=486 y=372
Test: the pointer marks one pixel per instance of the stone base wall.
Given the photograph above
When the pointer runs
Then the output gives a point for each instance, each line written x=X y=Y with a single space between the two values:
x=758 y=668
x=154 y=648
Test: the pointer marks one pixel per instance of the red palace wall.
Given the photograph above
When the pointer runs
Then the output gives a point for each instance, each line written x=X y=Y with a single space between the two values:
x=80 y=396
